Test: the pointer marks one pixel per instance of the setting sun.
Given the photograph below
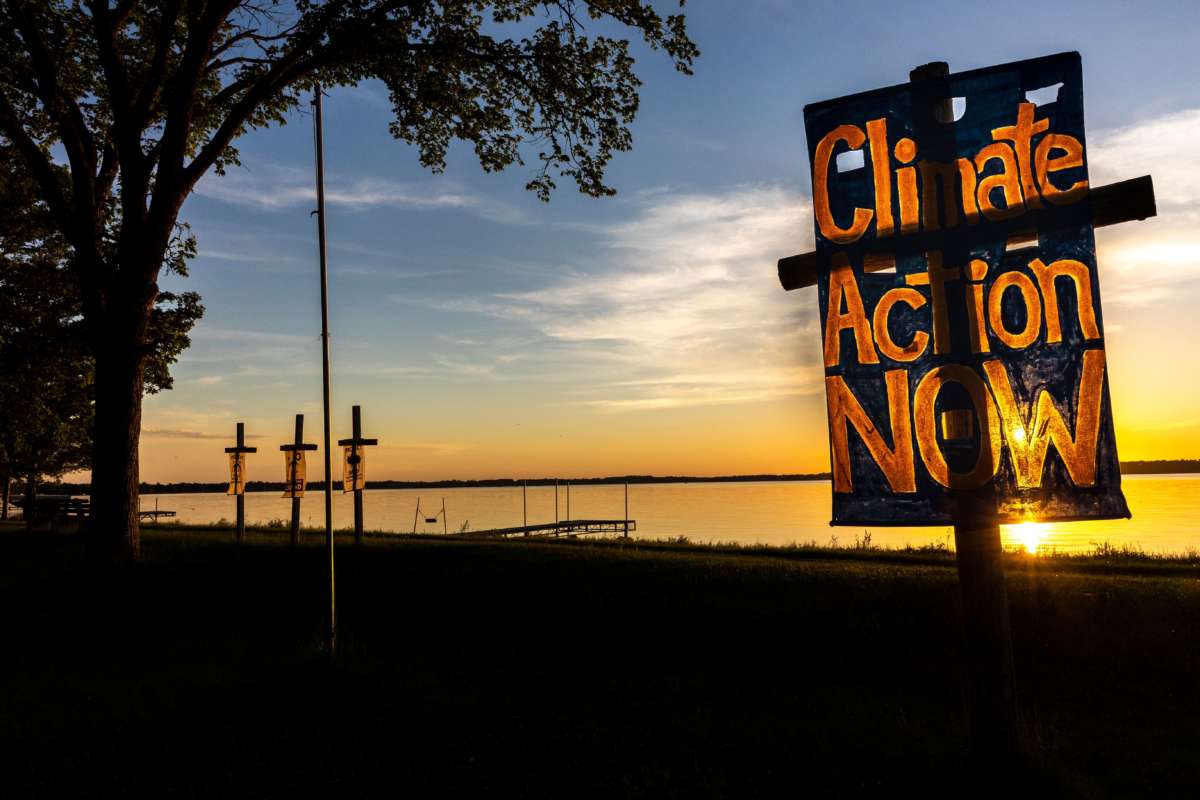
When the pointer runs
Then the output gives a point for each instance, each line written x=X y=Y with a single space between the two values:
x=1028 y=534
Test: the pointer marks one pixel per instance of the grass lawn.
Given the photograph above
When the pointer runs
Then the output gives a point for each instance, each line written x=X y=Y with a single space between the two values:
x=573 y=669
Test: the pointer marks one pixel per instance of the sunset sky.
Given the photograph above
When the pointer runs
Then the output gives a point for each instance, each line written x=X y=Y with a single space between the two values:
x=486 y=334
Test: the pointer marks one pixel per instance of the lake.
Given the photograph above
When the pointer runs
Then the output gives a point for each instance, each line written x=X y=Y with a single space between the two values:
x=1165 y=512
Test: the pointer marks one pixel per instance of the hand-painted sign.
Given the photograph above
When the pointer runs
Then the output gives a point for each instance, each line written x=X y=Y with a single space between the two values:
x=237 y=474
x=960 y=306
x=354 y=468
x=294 y=473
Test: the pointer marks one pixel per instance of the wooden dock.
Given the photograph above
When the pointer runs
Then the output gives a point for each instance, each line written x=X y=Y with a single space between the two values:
x=565 y=527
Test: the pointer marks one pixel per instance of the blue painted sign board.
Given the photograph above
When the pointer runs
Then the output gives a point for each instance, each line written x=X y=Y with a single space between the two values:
x=963 y=337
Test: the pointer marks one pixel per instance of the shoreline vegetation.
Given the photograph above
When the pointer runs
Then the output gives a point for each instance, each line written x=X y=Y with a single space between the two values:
x=1103 y=556
x=615 y=668
x=1160 y=467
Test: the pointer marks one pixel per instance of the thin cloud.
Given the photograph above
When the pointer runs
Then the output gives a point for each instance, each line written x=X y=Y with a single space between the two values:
x=683 y=295
x=274 y=187
x=168 y=433
x=435 y=449
x=1143 y=263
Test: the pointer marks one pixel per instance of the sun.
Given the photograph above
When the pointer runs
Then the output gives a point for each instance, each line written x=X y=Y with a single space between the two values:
x=1029 y=533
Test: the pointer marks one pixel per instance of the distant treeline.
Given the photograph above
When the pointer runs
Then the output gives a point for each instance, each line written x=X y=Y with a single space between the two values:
x=317 y=486
x=1160 y=467
x=1127 y=468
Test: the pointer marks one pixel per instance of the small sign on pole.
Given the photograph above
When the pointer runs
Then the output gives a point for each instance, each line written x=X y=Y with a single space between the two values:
x=237 y=474
x=237 y=477
x=354 y=468
x=294 y=472
x=294 y=475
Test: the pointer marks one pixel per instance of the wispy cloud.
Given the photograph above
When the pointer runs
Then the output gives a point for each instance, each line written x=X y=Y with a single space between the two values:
x=222 y=355
x=168 y=433
x=1147 y=262
x=683 y=295
x=435 y=449
x=721 y=388
x=272 y=187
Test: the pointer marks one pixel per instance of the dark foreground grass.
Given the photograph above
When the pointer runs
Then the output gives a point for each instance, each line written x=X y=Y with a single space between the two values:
x=568 y=670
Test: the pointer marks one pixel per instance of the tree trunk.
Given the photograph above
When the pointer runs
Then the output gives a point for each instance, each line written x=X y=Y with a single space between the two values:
x=114 y=536
x=6 y=489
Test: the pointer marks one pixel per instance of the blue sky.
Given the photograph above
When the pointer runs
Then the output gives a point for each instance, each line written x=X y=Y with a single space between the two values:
x=486 y=333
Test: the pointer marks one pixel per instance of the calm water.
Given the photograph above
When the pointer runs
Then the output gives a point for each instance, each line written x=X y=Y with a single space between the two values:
x=1165 y=513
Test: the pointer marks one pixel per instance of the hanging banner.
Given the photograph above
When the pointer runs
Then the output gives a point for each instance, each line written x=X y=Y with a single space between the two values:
x=237 y=473
x=354 y=469
x=294 y=472
x=963 y=338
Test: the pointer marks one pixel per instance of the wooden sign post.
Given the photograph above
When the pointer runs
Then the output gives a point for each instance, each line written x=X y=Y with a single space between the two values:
x=294 y=477
x=354 y=468
x=987 y=628
x=237 y=477
x=945 y=239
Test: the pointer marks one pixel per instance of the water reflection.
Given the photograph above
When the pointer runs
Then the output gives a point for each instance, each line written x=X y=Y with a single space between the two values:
x=1165 y=509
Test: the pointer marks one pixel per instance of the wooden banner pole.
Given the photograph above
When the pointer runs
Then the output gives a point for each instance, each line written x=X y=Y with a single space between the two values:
x=356 y=432
x=237 y=480
x=358 y=468
x=289 y=475
x=295 y=526
x=240 y=536
x=987 y=631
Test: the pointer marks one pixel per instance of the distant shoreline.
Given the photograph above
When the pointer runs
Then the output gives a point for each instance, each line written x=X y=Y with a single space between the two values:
x=1163 y=467
x=486 y=483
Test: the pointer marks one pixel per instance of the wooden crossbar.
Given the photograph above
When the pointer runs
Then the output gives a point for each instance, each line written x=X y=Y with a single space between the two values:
x=1124 y=201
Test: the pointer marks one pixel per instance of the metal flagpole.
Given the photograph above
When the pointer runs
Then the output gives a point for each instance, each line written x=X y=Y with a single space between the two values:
x=332 y=640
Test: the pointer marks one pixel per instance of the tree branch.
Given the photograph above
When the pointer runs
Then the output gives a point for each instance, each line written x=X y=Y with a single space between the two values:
x=72 y=127
x=153 y=79
x=109 y=164
x=105 y=30
x=169 y=190
x=39 y=164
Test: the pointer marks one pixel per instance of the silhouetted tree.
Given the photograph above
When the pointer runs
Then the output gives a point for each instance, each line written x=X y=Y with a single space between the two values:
x=143 y=98
x=46 y=364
